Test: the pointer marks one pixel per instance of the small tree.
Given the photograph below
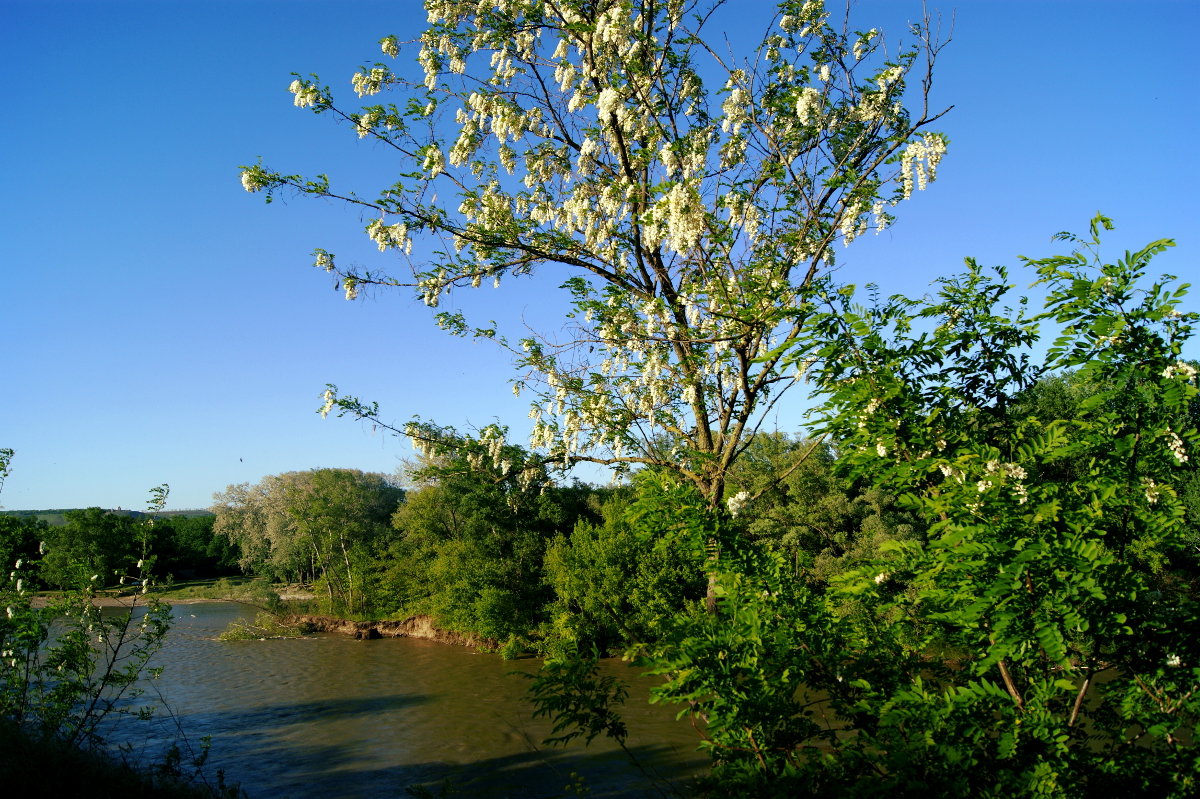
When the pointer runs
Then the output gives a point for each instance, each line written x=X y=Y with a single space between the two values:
x=61 y=683
x=688 y=200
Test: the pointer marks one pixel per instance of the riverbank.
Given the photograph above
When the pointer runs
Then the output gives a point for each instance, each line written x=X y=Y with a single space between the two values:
x=245 y=590
x=419 y=626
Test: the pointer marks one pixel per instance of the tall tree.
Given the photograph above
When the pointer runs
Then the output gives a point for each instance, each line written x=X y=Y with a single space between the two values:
x=300 y=524
x=690 y=199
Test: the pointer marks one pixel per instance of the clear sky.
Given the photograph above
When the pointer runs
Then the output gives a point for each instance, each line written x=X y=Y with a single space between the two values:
x=159 y=324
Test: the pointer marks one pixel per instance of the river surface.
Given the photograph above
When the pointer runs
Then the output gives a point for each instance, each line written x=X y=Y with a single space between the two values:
x=329 y=716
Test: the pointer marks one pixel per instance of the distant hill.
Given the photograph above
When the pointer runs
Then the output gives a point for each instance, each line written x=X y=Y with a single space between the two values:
x=56 y=517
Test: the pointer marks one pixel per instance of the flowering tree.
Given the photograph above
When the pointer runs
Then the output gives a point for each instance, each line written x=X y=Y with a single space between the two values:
x=688 y=201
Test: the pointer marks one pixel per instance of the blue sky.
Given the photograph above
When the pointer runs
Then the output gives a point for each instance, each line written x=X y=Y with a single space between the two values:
x=160 y=324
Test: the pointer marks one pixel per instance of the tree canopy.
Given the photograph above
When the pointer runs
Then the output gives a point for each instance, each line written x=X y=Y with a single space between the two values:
x=688 y=200
x=316 y=524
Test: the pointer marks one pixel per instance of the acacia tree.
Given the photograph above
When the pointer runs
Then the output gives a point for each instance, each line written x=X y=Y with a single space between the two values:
x=688 y=200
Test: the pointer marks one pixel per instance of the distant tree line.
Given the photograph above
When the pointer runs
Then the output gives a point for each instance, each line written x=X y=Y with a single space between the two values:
x=105 y=543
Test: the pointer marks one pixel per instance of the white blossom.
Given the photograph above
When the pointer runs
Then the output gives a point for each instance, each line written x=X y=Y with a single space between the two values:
x=737 y=502
x=1180 y=368
x=250 y=181
x=1152 y=490
x=1176 y=446
x=808 y=105
x=369 y=83
x=305 y=93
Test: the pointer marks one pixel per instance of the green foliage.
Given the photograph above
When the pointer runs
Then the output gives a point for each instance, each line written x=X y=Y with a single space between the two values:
x=471 y=541
x=93 y=541
x=616 y=582
x=67 y=666
x=791 y=496
x=580 y=701
x=320 y=525
x=1057 y=570
x=20 y=537
x=188 y=548
x=1034 y=637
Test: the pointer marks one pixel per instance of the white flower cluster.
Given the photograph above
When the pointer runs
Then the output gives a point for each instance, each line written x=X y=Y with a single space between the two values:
x=854 y=221
x=493 y=439
x=328 y=400
x=369 y=83
x=390 y=236
x=306 y=94
x=808 y=104
x=863 y=43
x=920 y=159
x=678 y=218
x=324 y=260
x=1015 y=474
x=253 y=179
x=1187 y=371
x=811 y=17
x=737 y=502
x=1152 y=490
x=1176 y=446
x=365 y=123
x=737 y=105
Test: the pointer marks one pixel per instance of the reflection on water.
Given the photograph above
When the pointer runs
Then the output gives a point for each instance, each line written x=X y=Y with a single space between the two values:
x=330 y=716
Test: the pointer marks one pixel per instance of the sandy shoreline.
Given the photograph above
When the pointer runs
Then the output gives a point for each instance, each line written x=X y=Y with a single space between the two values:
x=140 y=599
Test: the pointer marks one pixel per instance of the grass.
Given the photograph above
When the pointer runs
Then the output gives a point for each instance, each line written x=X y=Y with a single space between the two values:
x=237 y=589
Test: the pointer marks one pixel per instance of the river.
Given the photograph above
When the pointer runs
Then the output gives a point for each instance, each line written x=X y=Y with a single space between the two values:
x=329 y=716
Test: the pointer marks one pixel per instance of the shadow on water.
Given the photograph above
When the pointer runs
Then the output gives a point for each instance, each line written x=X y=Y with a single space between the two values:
x=542 y=774
x=333 y=717
x=277 y=755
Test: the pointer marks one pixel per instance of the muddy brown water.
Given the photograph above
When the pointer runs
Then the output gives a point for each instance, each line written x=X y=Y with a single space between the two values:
x=330 y=716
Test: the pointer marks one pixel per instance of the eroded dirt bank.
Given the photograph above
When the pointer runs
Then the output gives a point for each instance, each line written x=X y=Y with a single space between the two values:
x=412 y=627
